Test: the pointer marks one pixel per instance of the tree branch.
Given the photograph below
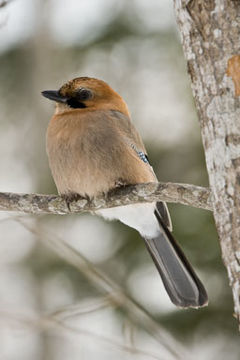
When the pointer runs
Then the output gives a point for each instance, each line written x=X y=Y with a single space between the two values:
x=185 y=194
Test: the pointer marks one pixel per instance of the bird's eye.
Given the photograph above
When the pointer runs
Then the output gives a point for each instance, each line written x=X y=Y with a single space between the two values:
x=84 y=94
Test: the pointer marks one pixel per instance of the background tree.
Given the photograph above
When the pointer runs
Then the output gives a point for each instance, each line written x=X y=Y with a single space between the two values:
x=210 y=35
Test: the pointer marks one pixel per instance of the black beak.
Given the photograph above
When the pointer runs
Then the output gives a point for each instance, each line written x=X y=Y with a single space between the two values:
x=55 y=95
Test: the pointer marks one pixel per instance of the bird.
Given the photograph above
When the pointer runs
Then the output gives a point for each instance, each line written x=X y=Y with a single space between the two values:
x=93 y=147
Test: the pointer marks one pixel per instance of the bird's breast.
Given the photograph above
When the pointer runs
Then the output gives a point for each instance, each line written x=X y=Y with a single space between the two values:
x=80 y=156
x=88 y=155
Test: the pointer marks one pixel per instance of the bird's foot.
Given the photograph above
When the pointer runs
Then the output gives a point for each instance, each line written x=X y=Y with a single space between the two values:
x=72 y=197
x=120 y=183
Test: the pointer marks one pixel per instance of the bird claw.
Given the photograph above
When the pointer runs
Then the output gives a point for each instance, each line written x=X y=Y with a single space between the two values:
x=72 y=197
x=120 y=183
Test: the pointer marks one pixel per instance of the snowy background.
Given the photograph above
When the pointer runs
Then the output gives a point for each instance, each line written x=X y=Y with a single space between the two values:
x=55 y=297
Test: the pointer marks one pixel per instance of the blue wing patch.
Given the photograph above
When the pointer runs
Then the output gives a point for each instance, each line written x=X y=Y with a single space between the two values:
x=140 y=154
x=143 y=157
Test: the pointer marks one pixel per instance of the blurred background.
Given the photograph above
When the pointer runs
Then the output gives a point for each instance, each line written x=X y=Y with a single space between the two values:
x=78 y=287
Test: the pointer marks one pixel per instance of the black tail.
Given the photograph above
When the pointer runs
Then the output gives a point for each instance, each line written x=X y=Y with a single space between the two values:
x=182 y=284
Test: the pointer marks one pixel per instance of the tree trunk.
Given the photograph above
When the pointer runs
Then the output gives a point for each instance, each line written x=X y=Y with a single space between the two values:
x=210 y=33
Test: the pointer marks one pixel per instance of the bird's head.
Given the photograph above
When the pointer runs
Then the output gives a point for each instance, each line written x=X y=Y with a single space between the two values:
x=85 y=93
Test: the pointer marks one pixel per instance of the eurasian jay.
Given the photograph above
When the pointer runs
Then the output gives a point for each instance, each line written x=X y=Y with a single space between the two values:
x=93 y=147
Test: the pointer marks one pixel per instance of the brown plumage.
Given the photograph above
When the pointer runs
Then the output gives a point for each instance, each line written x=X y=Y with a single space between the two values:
x=93 y=147
x=85 y=144
x=104 y=97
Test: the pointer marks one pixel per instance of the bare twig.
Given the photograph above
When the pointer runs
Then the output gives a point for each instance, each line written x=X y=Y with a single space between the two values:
x=47 y=324
x=80 y=309
x=116 y=295
x=109 y=341
x=191 y=195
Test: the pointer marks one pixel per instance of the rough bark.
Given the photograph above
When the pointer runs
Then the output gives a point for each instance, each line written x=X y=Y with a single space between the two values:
x=210 y=33
x=191 y=195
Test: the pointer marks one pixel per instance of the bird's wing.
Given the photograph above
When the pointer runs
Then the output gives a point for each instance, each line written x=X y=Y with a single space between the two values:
x=134 y=141
x=128 y=130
